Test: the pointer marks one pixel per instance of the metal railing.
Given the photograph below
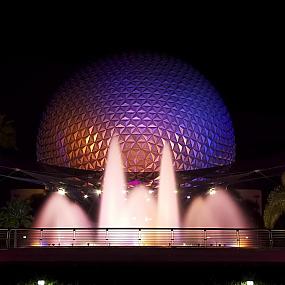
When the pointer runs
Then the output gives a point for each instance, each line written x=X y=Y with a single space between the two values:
x=152 y=237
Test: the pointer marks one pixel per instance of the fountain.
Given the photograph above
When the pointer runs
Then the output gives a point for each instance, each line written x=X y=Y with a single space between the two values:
x=114 y=187
x=119 y=211
x=168 y=212
x=59 y=212
x=143 y=216
x=217 y=210
x=122 y=210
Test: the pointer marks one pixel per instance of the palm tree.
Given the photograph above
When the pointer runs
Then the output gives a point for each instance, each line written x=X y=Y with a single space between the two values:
x=16 y=214
x=7 y=133
x=275 y=206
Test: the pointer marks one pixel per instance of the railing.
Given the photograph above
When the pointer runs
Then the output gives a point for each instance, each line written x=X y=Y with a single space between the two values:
x=153 y=237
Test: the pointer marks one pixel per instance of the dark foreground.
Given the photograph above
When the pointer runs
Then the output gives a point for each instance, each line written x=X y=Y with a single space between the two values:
x=142 y=266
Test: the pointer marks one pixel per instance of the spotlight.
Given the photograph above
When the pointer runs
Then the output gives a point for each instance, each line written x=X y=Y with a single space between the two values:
x=85 y=196
x=41 y=282
x=249 y=283
x=61 y=191
x=188 y=197
x=212 y=191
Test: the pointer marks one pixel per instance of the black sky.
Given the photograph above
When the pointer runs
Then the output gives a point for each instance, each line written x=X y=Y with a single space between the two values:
x=242 y=61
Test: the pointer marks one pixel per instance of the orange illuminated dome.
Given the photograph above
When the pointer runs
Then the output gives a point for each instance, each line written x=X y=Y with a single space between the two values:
x=146 y=100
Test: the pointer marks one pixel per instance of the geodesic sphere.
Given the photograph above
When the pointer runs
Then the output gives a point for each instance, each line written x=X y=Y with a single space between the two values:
x=146 y=100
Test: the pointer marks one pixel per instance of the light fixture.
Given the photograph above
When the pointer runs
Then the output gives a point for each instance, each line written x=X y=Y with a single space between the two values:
x=249 y=282
x=188 y=197
x=85 y=196
x=24 y=236
x=61 y=191
x=212 y=191
x=41 y=282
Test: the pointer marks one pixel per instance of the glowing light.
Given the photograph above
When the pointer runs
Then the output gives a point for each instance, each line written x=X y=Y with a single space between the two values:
x=24 y=236
x=246 y=237
x=85 y=196
x=175 y=191
x=98 y=192
x=249 y=283
x=212 y=191
x=61 y=191
x=150 y=191
x=188 y=197
x=41 y=282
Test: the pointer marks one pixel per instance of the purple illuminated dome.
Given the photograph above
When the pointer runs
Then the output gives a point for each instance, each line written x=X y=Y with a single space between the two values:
x=145 y=99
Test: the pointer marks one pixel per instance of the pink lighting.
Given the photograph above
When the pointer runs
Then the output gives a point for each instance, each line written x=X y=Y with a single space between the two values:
x=168 y=212
x=59 y=212
x=127 y=217
x=216 y=210
x=114 y=187
x=143 y=216
x=118 y=210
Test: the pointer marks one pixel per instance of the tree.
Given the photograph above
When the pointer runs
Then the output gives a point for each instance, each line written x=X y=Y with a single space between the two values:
x=16 y=214
x=275 y=206
x=7 y=133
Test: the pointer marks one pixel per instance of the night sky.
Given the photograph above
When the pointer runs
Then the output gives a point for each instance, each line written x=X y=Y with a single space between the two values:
x=242 y=62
